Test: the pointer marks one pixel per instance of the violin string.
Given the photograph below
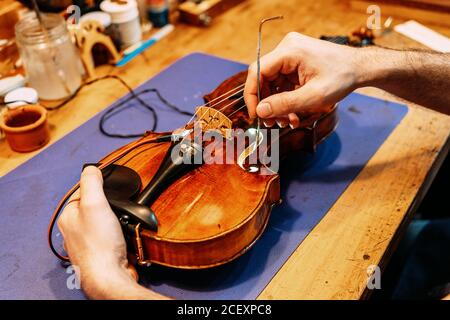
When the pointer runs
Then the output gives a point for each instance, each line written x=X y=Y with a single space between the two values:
x=240 y=108
x=228 y=105
x=228 y=94
x=225 y=96
x=223 y=108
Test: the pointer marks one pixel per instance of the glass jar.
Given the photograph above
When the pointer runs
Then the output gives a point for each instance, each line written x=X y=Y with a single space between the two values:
x=125 y=25
x=50 y=58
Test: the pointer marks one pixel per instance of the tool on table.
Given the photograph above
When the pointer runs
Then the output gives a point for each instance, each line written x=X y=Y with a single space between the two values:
x=424 y=35
x=202 y=12
x=88 y=34
x=21 y=96
x=362 y=36
x=133 y=51
x=359 y=38
x=10 y=83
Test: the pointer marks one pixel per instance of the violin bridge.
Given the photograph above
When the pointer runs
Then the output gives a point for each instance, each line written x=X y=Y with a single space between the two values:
x=212 y=119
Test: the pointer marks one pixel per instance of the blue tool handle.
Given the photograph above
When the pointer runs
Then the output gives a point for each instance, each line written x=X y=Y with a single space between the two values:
x=127 y=58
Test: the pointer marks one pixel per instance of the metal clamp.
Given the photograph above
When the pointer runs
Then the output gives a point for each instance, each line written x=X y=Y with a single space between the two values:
x=140 y=249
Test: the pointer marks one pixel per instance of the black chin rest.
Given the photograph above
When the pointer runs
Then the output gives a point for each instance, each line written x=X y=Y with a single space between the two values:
x=120 y=182
x=129 y=211
x=122 y=185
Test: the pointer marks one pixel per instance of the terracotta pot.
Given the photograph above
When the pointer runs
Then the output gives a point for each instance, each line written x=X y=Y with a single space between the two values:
x=26 y=128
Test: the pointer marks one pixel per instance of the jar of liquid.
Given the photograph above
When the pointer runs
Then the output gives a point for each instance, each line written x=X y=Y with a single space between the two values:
x=158 y=12
x=125 y=23
x=51 y=60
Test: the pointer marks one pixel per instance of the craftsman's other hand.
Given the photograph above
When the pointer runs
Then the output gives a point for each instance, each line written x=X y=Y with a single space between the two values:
x=302 y=76
x=94 y=241
x=92 y=234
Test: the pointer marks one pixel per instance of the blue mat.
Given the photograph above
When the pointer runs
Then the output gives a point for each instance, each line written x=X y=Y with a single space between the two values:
x=29 y=194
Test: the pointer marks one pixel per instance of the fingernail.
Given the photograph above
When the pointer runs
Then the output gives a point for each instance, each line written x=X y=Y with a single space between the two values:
x=264 y=110
x=268 y=125
x=281 y=124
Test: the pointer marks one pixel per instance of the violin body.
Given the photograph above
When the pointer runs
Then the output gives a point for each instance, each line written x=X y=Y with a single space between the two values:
x=216 y=212
x=212 y=213
x=205 y=218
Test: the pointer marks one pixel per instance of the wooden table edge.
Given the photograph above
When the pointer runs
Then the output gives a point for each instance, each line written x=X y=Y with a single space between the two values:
x=416 y=201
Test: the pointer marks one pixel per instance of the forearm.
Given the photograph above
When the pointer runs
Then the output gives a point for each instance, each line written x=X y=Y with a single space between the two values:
x=417 y=76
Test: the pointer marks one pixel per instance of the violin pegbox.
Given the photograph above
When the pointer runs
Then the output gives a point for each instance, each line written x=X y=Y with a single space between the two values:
x=213 y=119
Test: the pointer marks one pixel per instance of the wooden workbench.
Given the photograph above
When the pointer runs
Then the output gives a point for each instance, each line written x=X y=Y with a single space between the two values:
x=363 y=226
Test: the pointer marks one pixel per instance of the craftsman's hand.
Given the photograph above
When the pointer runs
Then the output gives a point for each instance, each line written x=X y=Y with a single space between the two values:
x=94 y=241
x=300 y=77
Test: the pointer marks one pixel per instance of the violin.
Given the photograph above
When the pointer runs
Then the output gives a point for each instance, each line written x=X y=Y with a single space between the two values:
x=194 y=215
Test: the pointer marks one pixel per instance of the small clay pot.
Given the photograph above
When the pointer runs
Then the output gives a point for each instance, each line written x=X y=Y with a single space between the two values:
x=26 y=127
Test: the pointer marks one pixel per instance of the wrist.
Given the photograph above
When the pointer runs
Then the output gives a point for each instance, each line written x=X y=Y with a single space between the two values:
x=378 y=67
x=103 y=279
x=113 y=281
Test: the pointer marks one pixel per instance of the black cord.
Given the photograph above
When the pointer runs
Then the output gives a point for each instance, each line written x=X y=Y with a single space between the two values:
x=116 y=109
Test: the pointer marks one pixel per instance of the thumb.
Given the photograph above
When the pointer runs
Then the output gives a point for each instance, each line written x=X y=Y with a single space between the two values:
x=303 y=100
x=91 y=187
